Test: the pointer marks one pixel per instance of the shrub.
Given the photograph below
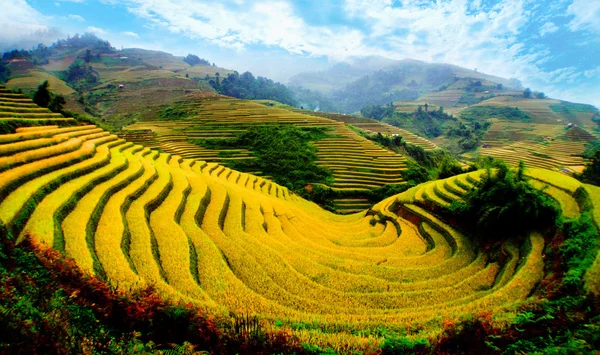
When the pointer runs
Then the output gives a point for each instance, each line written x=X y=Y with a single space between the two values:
x=505 y=204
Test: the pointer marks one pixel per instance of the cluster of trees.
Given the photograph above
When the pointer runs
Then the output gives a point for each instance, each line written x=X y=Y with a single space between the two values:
x=44 y=98
x=85 y=40
x=4 y=72
x=378 y=112
x=42 y=53
x=193 y=60
x=471 y=99
x=427 y=122
x=505 y=204
x=80 y=76
x=15 y=53
x=423 y=165
x=478 y=113
x=469 y=134
x=591 y=174
x=527 y=93
x=246 y=86
x=281 y=151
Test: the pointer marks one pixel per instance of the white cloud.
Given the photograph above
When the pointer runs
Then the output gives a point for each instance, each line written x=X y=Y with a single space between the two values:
x=586 y=14
x=269 y=23
x=592 y=73
x=130 y=34
x=76 y=18
x=21 y=26
x=548 y=27
x=96 y=30
x=77 y=1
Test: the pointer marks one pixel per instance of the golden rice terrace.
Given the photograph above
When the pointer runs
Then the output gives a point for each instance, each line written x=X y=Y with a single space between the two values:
x=234 y=242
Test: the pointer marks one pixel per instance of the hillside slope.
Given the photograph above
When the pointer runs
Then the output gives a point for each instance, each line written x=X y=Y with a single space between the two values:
x=356 y=162
x=223 y=240
x=118 y=86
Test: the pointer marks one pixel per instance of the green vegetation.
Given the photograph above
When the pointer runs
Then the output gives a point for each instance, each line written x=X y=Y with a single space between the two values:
x=480 y=113
x=42 y=95
x=4 y=72
x=44 y=98
x=68 y=46
x=193 y=60
x=591 y=174
x=571 y=110
x=423 y=165
x=283 y=152
x=377 y=112
x=246 y=86
x=80 y=76
x=505 y=204
x=429 y=123
x=174 y=112
x=579 y=251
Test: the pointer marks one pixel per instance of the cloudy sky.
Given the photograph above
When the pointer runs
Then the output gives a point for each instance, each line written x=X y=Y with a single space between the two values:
x=551 y=45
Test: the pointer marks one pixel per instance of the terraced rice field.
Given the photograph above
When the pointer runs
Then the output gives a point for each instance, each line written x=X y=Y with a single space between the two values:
x=229 y=241
x=546 y=146
x=442 y=193
x=356 y=162
x=15 y=106
x=373 y=126
x=31 y=79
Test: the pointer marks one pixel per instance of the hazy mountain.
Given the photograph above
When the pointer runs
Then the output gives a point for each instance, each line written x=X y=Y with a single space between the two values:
x=375 y=81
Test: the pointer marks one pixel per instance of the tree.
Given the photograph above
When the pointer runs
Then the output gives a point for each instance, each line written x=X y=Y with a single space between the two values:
x=591 y=173
x=42 y=96
x=4 y=72
x=540 y=95
x=500 y=87
x=193 y=59
x=505 y=204
x=56 y=103
x=426 y=107
x=527 y=93
x=88 y=56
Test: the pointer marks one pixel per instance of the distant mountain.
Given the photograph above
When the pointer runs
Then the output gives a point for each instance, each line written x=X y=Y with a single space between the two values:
x=376 y=81
x=342 y=74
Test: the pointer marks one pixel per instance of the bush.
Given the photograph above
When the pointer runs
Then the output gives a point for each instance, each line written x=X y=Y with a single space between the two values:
x=505 y=204
x=403 y=345
x=415 y=173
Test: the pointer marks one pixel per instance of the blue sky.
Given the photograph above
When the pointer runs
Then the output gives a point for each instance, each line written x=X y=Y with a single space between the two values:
x=551 y=45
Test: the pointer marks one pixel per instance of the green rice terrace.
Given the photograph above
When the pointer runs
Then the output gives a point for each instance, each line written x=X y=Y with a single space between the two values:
x=145 y=240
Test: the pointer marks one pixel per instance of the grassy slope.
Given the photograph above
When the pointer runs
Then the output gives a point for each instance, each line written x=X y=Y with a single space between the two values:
x=151 y=79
